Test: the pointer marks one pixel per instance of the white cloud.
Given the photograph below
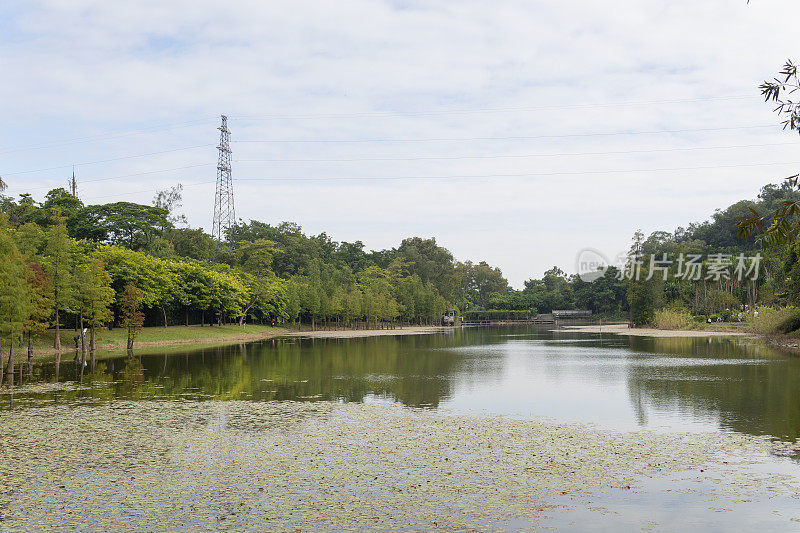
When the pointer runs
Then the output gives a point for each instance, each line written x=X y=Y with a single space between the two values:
x=80 y=68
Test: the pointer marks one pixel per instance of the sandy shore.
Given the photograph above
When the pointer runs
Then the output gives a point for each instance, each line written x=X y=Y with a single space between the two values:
x=235 y=338
x=355 y=333
x=145 y=346
x=623 y=329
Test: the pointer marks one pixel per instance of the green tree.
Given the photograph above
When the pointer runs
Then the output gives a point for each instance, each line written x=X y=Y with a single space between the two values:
x=130 y=303
x=192 y=243
x=430 y=262
x=122 y=223
x=14 y=294
x=255 y=258
x=644 y=295
x=59 y=262
x=60 y=203
x=96 y=296
x=487 y=280
x=41 y=305
x=170 y=200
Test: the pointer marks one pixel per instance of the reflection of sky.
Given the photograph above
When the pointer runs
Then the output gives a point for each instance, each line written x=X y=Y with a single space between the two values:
x=571 y=380
x=615 y=382
x=688 y=501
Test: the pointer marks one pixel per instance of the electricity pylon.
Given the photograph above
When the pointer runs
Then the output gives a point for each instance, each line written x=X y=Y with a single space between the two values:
x=224 y=211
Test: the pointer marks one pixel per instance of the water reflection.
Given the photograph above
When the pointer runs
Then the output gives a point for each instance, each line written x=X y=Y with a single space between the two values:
x=672 y=383
x=746 y=387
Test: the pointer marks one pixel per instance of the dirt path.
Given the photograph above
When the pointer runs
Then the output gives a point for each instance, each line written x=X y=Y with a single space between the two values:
x=623 y=329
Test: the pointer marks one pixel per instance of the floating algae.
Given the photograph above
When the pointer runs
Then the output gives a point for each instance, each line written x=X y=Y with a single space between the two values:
x=323 y=466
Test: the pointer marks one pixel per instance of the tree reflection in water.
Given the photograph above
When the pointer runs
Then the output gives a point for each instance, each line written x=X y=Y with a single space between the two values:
x=734 y=384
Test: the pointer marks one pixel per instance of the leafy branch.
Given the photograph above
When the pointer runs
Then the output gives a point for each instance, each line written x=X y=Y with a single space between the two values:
x=782 y=226
x=780 y=91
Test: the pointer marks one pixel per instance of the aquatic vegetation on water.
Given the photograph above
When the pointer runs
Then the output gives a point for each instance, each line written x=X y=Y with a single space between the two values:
x=322 y=466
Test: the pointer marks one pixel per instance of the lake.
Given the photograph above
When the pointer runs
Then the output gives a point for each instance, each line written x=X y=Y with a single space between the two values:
x=615 y=383
x=684 y=384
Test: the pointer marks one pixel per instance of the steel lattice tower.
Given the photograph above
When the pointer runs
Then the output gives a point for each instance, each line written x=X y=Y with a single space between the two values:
x=224 y=212
x=73 y=184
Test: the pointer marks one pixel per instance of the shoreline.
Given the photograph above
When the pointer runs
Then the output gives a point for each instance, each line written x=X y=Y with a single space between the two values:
x=234 y=338
x=623 y=329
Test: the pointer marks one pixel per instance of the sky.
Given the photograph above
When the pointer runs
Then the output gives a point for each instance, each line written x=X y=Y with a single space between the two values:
x=515 y=132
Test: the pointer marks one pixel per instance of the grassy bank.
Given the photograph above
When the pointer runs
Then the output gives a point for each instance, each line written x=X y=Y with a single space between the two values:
x=116 y=339
x=179 y=337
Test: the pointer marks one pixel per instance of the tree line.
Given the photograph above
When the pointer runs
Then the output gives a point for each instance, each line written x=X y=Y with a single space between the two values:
x=66 y=264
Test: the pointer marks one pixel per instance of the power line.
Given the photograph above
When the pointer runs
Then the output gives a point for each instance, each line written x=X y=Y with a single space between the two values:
x=85 y=163
x=126 y=133
x=520 y=175
x=486 y=109
x=122 y=176
x=509 y=138
x=448 y=158
x=474 y=176
x=148 y=191
x=420 y=158
x=103 y=136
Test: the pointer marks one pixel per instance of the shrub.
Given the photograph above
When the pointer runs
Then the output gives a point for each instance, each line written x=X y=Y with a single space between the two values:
x=771 y=320
x=673 y=319
x=791 y=322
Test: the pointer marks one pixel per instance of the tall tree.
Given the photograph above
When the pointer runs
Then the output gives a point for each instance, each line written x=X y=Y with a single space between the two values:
x=130 y=303
x=644 y=295
x=14 y=294
x=170 y=200
x=96 y=296
x=41 y=305
x=59 y=261
x=122 y=223
x=431 y=263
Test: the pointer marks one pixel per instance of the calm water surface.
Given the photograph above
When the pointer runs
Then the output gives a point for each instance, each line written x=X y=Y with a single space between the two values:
x=614 y=381
x=667 y=384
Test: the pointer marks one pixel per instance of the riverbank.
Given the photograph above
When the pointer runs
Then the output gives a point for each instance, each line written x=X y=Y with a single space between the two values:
x=181 y=336
x=324 y=466
x=153 y=337
x=623 y=329
x=160 y=338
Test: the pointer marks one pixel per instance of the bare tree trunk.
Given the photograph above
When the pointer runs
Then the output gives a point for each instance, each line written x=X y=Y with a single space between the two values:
x=30 y=347
x=164 y=310
x=57 y=340
x=92 y=343
x=186 y=314
x=10 y=364
x=83 y=343
x=202 y=317
x=244 y=313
